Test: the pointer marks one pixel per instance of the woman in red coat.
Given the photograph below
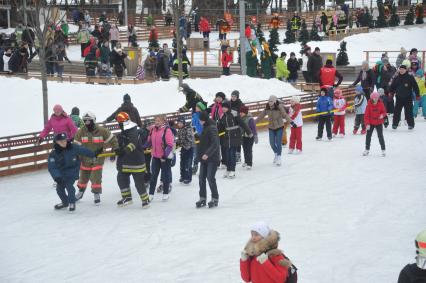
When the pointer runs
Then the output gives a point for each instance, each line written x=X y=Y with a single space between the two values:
x=261 y=260
x=374 y=118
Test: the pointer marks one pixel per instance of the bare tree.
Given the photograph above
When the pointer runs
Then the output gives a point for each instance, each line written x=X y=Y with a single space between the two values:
x=40 y=16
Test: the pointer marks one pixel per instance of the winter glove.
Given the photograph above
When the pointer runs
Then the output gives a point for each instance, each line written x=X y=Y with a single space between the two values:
x=262 y=258
x=256 y=139
x=60 y=181
x=293 y=124
x=386 y=122
x=368 y=127
x=244 y=256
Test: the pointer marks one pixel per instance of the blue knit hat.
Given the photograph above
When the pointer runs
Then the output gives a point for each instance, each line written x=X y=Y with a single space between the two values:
x=359 y=89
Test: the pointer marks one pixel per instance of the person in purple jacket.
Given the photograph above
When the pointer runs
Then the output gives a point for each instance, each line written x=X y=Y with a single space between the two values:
x=59 y=122
x=247 y=140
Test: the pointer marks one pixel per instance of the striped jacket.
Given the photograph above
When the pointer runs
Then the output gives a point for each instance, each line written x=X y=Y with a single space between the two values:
x=94 y=141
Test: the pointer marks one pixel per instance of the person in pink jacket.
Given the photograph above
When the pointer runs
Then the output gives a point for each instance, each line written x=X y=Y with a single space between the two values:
x=162 y=142
x=59 y=123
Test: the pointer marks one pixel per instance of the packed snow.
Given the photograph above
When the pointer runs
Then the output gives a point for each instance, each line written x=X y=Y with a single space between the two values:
x=25 y=97
x=354 y=219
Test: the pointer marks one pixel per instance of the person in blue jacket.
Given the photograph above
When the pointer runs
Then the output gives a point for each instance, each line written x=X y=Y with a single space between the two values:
x=324 y=104
x=64 y=167
x=198 y=128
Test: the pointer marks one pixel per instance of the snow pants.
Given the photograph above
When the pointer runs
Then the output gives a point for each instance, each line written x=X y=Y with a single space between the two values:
x=123 y=180
x=420 y=103
x=186 y=156
x=69 y=187
x=92 y=173
x=296 y=138
x=339 y=124
x=208 y=172
x=248 y=150
x=166 y=173
x=327 y=121
x=275 y=140
x=390 y=105
x=379 y=129
x=359 y=121
x=407 y=104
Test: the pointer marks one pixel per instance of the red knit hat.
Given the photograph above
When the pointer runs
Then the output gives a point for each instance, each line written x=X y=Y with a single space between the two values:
x=244 y=109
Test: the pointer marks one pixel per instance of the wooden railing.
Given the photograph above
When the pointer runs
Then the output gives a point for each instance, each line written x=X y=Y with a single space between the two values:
x=19 y=154
x=372 y=56
x=339 y=34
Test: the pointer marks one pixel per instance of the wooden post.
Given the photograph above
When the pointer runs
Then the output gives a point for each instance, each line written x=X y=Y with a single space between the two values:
x=205 y=57
x=192 y=57
x=219 y=58
x=367 y=56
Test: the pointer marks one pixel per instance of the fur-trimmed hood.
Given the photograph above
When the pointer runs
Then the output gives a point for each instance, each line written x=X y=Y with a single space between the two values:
x=268 y=245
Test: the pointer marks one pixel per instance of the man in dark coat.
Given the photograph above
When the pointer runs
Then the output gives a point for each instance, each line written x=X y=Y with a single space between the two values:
x=236 y=103
x=208 y=152
x=404 y=85
x=315 y=65
x=130 y=109
x=367 y=78
x=64 y=166
x=117 y=61
x=192 y=98
x=386 y=74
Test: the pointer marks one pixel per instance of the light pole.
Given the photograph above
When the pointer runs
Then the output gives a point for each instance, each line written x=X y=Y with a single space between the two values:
x=242 y=37
x=126 y=19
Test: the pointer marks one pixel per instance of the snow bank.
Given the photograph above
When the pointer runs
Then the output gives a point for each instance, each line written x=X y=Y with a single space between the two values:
x=342 y=218
x=25 y=97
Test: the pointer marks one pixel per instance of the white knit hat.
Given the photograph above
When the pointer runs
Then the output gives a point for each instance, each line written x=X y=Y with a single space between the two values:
x=261 y=228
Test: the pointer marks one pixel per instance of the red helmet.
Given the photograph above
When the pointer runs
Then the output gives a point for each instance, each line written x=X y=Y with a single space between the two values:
x=122 y=117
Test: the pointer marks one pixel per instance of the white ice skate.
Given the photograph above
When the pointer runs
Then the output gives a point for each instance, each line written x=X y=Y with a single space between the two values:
x=341 y=136
x=290 y=151
x=231 y=175
x=275 y=159
x=248 y=167
x=244 y=165
x=278 y=163
x=97 y=198
x=166 y=197
x=298 y=151
x=383 y=153
x=226 y=174
x=366 y=152
x=151 y=198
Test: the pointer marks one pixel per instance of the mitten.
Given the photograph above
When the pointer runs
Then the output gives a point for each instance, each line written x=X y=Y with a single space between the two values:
x=244 y=256
x=262 y=258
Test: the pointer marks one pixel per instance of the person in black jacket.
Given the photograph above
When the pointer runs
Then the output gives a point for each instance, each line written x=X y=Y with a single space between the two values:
x=315 y=65
x=130 y=161
x=386 y=74
x=208 y=152
x=231 y=125
x=292 y=66
x=416 y=272
x=404 y=85
x=367 y=78
x=130 y=109
x=29 y=37
x=117 y=61
x=192 y=98
x=236 y=103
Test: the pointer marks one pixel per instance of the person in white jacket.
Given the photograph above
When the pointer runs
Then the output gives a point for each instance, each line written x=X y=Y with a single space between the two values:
x=114 y=36
x=339 y=104
x=304 y=69
x=5 y=59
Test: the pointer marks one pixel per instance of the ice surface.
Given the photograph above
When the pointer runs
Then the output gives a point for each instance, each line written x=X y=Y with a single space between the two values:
x=342 y=218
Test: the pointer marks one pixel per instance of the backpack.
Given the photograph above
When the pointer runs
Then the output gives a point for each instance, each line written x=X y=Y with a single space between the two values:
x=292 y=273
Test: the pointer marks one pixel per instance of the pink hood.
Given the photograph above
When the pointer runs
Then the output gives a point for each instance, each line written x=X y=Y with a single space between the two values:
x=59 y=124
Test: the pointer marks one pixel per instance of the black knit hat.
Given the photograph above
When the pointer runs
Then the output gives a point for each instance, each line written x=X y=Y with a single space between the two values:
x=75 y=111
x=220 y=94
x=329 y=62
x=60 y=137
x=126 y=98
x=204 y=116
x=226 y=104
x=236 y=93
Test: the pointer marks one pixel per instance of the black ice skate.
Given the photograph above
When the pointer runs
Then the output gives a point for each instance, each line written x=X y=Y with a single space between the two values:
x=200 y=203
x=72 y=207
x=125 y=201
x=213 y=203
x=60 y=206
x=97 y=198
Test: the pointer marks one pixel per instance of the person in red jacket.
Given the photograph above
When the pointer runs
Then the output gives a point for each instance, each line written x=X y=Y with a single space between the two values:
x=374 y=117
x=205 y=27
x=261 y=260
x=227 y=60
x=328 y=75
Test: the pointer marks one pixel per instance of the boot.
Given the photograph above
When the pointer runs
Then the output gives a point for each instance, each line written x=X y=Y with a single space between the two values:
x=366 y=152
x=200 y=203
x=125 y=201
x=60 y=206
x=213 y=203
x=79 y=195
x=97 y=198
x=145 y=200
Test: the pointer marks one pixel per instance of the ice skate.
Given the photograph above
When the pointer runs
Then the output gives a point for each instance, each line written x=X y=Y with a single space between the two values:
x=244 y=165
x=165 y=197
x=366 y=152
x=231 y=174
x=248 y=167
x=213 y=203
x=60 y=206
x=151 y=198
x=200 y=203
x=275 y=159
x=355 y=131
x=318 y=138
x=160 y=188
x=383 y=153
x=363 y=132
x=341 y=136
x=226 y=174
x=125 y=201
x=290 y=151
x=97 y=198
x=79 y=195
x=278 y=163
x=71 y=208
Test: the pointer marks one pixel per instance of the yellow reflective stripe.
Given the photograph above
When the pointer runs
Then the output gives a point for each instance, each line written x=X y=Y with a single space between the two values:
x=125 y=170
x=131 y=146
x=144 y=197
x=125 y=194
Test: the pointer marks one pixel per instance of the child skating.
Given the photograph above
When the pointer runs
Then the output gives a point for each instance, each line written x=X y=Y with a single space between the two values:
x=296 y=125
x=360 y=104
x=375 y=114
x=324 y=106
x=339 y=104
x=248 y=141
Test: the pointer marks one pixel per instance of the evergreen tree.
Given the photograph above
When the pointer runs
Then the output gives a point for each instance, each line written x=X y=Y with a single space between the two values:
x=419 y=14
x=381 y=20
x=304 y=34
x=394 y=20
x=274 y=39
x=314 y=33
x=259 y=33
x=409 y=19
x=342 y=57
x=289 y=35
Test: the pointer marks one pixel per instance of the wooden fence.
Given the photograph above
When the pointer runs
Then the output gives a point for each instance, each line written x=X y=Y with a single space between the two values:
x=19 y=154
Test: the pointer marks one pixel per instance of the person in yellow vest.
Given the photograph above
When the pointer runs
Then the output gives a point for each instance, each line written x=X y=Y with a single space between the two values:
x=93 y=137
x=282 y=71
